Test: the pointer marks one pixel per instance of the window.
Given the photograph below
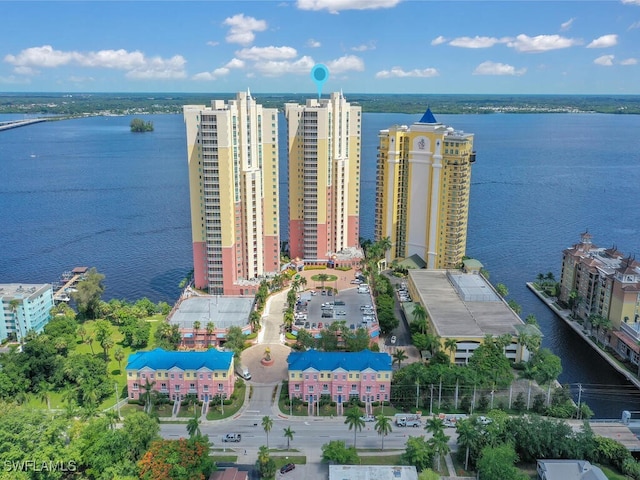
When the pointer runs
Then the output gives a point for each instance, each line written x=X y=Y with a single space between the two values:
x=382 y=388
x=220 y=387
x=368 y=390
x=177 y=388
x=172 y=375
x=339 y=388
x=163 y=386
x=310 y=388
x=135 y=386
x=296 y=387
x=192 y=386
x=205 y=388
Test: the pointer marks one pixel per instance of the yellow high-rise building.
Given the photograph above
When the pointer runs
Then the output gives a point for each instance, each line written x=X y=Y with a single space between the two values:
x=324 y=180
x=233 y=181
x=422 y=192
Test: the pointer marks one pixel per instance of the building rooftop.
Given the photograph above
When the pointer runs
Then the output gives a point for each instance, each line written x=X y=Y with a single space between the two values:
x=223 y=311
x=570 y=470
x=160 y=359
x=372 y=472
x=428 y=117
x=462 y=304
x=22 y=290
x=334 y=360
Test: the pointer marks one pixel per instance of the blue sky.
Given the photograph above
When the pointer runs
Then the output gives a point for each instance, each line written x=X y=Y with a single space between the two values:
x=369 y=46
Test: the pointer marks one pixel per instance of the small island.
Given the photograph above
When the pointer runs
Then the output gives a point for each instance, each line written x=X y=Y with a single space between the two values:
x=138 y=125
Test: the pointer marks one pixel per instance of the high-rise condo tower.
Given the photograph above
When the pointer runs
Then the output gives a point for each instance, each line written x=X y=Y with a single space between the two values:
x=324 y=180
x=233 y=181
x=422 y=192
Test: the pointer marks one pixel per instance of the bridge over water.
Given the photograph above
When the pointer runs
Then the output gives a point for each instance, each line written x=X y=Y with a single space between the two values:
x=20 y=123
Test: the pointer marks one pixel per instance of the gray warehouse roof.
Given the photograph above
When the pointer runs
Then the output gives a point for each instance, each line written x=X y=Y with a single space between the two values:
x=224 y=312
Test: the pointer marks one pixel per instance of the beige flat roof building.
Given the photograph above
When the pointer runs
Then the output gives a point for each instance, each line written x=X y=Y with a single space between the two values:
x=465 y=306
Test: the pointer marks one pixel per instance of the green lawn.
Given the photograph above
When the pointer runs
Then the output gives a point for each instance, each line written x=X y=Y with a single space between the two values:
x=380 y=460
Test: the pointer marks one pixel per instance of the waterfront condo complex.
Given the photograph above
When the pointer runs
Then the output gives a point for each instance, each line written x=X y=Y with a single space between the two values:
x=601 y=283
x=233 y=181
x=324 y=137
x=24 y=308
x=422 y=194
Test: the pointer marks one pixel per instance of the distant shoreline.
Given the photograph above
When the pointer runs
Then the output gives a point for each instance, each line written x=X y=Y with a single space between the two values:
x=77 y=104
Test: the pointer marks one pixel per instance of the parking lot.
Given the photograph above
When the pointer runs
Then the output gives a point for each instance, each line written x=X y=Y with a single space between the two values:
x=353 y=305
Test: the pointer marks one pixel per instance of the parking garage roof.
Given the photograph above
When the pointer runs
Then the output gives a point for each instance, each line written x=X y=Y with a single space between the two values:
x=462 y=304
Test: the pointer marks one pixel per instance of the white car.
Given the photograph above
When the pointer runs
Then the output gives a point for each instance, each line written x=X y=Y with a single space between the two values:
x=393 y=339
x=368 y=418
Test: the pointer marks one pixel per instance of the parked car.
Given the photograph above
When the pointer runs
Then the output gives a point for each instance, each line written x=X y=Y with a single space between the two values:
x=330 y=292
x=232 y=437
x=307 y=325
x=393 y=339
x=287 y=468
x=368 y=418
x=320 y=325
x=313 y=325
x=352 y=326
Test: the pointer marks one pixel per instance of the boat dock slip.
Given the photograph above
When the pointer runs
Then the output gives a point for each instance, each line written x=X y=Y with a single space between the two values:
x=70 y=280
x=20 y=123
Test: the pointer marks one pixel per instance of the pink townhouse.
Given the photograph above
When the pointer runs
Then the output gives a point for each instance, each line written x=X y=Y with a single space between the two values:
x=365 y=375
x=205 y=374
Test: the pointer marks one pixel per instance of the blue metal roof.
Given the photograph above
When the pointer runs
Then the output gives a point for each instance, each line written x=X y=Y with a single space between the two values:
x=334 y=360
x=428 y=117
x=160 y=359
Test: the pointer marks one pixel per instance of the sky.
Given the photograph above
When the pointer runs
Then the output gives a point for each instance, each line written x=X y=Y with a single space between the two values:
x=368 y=46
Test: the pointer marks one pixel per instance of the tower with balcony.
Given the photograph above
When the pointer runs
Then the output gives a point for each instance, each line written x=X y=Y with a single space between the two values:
x=422 y=191
x=232 y=152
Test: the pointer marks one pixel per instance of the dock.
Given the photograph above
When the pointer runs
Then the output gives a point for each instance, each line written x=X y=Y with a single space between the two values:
x=565 y=315
x=70 y=279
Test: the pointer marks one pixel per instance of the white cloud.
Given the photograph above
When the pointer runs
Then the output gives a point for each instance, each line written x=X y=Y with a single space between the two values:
x=477 y=42
x=272 y=68
x=634 y=25
x=313 y=43
x=629 y=61
x=438 y=40
x=15 y=80
x=541 y=43
x=267 y=53
x=364 y=47
x=137 y=65
x=243 y=29
x=493 y=68
x=604 y=60
x=604 y=41
x=397 y=72
x=334 y=6
x=631 y=2
x=345 y=64
x=211 y=43
x=567 y=25
x=235 y=63
x=160 y=68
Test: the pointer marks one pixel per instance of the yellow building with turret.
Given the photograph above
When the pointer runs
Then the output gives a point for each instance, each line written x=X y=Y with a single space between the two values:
x=422 y=194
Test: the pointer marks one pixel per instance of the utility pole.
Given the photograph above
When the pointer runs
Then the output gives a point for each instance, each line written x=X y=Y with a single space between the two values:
x=431 y=401
x=117 y=404
x=579 y=399
x=417 y=393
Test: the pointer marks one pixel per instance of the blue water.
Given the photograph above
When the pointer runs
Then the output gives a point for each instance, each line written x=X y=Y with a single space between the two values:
x=90 y=192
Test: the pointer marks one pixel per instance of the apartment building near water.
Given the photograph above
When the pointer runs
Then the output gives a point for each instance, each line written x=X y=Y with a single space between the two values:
x=25 y=307
x=232 y=152
x=422 y=193
x=176 y=374
x=324 y=144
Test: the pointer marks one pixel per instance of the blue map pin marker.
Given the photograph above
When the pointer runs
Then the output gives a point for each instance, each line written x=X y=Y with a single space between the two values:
x=319 y=74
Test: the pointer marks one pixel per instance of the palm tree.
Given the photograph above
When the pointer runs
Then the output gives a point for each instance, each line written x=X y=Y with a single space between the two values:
x=82 y=332
x=288 y=434
x=303 y=281
x=196 y=327
x=88 y=339
x=107 y=344
x=467 y=437
x=452 y=345
x=118 y=355
x=440 y=445
x=193 y=427
x=420 y=316
x=254 y=320
x=399 y=356
x=355 y=422
x=44 y=393
x=322 y=277
x=267 y=424
x=383 y=427
x=147 y=387
x=210 y=329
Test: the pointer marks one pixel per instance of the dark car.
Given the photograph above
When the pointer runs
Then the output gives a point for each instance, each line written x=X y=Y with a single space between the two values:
x=287 y=468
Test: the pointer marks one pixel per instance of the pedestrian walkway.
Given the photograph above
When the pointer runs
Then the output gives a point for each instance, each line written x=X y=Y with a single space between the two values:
x=452 y=471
